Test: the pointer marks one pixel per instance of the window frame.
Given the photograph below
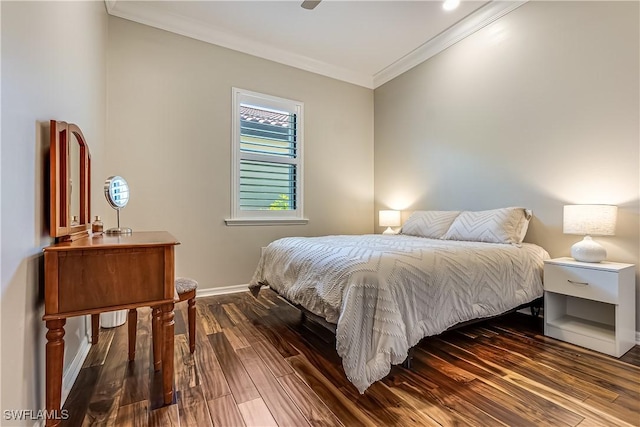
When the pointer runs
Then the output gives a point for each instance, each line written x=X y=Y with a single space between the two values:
x=265 y=217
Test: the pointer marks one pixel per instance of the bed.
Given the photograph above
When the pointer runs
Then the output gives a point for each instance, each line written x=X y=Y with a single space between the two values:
x=385 y=293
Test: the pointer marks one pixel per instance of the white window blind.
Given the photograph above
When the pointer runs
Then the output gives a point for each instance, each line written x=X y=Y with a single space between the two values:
x=267 y=164
x=267 y=148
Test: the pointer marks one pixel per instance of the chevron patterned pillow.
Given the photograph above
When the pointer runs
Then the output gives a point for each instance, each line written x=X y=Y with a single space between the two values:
x=430 y=224
x=504 y=225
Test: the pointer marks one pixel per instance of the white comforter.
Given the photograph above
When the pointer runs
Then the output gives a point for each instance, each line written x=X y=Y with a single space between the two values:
x=385 y=293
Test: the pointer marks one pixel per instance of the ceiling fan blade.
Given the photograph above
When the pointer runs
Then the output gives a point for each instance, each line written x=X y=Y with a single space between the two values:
x=310 y=4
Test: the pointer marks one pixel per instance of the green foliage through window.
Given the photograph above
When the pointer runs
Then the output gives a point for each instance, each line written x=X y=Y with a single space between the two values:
x=281 y=204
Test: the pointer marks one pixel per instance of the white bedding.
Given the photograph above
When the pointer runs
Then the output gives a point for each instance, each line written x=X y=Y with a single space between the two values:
x=385 y=293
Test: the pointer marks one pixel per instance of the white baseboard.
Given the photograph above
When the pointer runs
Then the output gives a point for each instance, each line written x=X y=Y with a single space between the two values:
x=223 y=290
x=70 y=376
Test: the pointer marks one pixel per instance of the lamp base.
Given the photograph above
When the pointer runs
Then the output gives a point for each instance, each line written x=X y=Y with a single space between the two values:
x=587 y=250
x=389 y=230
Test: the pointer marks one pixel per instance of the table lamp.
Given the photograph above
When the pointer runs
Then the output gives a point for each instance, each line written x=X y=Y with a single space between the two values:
x=589 y=220
x=389 y=218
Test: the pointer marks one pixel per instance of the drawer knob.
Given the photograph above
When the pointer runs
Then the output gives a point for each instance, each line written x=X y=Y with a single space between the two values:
x=577 y=283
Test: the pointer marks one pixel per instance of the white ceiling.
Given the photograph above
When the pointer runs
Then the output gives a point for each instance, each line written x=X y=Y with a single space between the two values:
x=358 y=41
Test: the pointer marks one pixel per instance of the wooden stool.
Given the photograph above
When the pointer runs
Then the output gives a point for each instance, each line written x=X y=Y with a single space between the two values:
x=186 y=290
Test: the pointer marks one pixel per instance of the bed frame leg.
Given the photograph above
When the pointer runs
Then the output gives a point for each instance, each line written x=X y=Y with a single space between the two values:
x=536 y=306
x=408 y=361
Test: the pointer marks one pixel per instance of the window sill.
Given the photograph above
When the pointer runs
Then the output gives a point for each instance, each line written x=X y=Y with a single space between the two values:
x=266 y=221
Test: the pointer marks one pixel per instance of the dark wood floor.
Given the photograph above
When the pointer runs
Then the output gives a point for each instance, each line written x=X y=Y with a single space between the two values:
x=256 y=365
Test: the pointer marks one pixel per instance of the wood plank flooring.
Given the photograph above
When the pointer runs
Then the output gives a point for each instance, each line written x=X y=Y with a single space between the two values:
x=256 y=364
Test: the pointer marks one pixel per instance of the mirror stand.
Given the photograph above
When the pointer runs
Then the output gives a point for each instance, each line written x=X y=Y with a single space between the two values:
x=118 y=229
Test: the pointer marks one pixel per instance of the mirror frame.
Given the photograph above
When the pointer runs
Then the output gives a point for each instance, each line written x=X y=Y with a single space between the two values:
x=108 y=184
x=59 y=174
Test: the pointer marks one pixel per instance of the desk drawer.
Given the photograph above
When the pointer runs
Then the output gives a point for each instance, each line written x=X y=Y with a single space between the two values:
x=95 y=279
x=586 y=283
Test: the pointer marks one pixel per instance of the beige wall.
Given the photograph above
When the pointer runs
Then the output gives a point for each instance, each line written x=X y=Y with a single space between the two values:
x=53 y=67
x=539 y=109
x=169 y=135
x=513 y=115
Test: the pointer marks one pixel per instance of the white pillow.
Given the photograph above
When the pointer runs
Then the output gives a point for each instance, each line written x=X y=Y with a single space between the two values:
x=506 y=225
x=430 y=224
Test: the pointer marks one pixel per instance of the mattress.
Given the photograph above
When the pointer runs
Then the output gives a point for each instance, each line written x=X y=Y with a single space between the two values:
x=386 y=292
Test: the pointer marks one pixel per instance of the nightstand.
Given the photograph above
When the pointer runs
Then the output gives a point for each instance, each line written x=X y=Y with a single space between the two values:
x=590 y=304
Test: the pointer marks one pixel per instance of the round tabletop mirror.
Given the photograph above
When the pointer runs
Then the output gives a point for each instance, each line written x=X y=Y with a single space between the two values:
x=116 y=191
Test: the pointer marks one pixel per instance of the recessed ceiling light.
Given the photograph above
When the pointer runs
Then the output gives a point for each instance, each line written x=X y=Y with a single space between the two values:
x=450 y=4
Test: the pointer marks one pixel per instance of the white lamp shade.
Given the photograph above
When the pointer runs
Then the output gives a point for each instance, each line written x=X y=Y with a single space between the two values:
x=389 y=218
x=594 y=220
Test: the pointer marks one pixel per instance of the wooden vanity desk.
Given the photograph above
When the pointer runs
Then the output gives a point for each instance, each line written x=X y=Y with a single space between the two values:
x=103 y=273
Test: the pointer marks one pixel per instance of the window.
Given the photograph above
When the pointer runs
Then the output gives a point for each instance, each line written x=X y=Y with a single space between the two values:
x=267 y=160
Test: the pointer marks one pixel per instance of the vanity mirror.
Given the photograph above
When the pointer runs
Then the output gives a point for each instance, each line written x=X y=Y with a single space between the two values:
x=69 y=182
x=116 y=191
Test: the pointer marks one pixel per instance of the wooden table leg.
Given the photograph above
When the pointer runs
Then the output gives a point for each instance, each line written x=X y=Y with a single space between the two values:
x=95 y=328
x=167 y=353
x=156 y=333
x=54 y=353
x=132 y=324
x=192 y=324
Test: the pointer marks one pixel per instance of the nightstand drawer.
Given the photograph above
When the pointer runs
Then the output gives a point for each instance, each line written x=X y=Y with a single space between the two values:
x=586 y=283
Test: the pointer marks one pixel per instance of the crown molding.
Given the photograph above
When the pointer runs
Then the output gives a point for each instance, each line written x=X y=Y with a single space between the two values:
x=464 y=28
x=153 y=17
